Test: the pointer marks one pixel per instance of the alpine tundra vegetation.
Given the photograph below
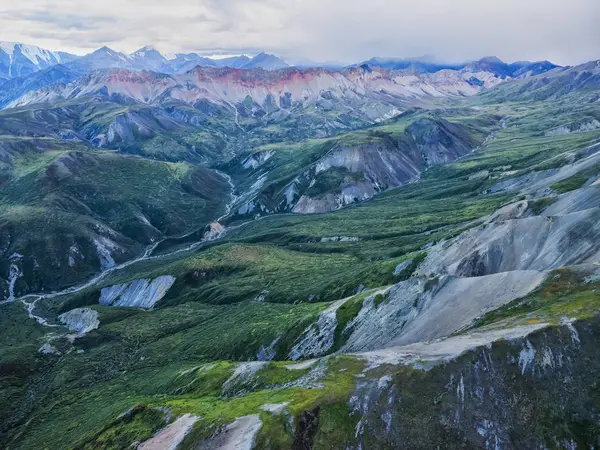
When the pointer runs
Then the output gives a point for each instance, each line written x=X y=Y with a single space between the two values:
x=235 y=253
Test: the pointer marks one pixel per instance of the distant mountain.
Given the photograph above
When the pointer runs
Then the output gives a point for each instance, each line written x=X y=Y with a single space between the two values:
x=491 y=64
x=57 y=69
x=191 y=60
x=19 y=86
x=236 y=62
x=526 y=68
x=413 y=64
x=271 y=90
x=501 y=69
x=184 y=62
x=265 y=61
x=103 y=58
x=583 y=80
x=149 y=58
x=18 y=59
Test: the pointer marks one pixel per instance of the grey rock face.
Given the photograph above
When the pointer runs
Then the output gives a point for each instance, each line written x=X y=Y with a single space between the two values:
x=402 y=266
x=533 y=243
x=138 y=293
x=318 y=338
x=579 y=200
x=387 y=163
x=418 y=310
x=538 y=183
x=81 y=320
x=171 y=436
x=238 y=435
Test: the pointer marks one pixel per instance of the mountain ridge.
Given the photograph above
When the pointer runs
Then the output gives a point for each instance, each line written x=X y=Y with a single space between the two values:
x=17 y=59
x=150 y=58
x=312 y=81
x=491 y=64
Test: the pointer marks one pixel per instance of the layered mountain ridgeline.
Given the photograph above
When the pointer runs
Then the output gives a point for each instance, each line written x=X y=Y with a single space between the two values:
x=492 y=64
x=177 y=134
x=53 y=142
x=270 y=90
x=324 y=175
x=580 y=80
x=448 y=310
x=270 y=106
x=184 y=116
x=281 y=105
x=149 y=58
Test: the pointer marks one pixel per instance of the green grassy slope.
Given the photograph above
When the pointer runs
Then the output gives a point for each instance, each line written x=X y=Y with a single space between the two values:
x=59 y=198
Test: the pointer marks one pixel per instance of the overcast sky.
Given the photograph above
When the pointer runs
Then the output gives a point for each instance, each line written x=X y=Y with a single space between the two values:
x=563 y=31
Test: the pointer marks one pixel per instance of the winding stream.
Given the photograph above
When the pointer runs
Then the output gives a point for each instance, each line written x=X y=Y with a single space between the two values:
x=30 y=300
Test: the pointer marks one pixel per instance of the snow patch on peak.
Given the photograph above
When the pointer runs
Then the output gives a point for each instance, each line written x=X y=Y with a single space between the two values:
x=8 y=47
x=31 y=52
x=146 y=48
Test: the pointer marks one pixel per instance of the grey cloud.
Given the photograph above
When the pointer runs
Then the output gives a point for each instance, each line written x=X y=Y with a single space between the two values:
x=72 y=21
x=564 y=31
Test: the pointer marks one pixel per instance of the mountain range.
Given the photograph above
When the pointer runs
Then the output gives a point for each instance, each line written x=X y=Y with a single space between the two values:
x=147 y=76
x=18 y=59
x=231 y=253
x=490 y=64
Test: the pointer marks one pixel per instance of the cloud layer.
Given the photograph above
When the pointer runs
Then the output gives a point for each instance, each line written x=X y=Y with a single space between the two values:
x=564 y=31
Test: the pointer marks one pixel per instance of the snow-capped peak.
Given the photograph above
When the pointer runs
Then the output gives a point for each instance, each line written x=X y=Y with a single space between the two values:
x=145 y=51
x=21 y=59
x=110 y=53
x=8 y=47
x=105 y=50
x=491 y=60
x=31 y=52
